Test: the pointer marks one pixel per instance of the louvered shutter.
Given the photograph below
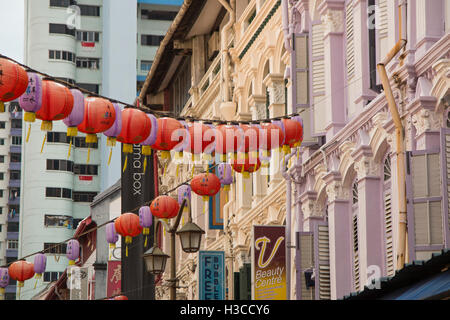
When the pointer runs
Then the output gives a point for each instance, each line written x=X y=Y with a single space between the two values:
x=425 y=218
x=445 y=162
x=356 y=271
x=388 y=233
x=300 y=79
x=350 y=44
x=318 y=78
x=304 y=261
x=322 y=262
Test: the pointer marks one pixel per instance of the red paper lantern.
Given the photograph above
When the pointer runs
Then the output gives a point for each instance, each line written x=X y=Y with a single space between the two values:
x=200 y=137
x=169 y=134
x=228 y=139
x=128 y=226
x=271 y=136
x=14 y=81
x=205 y=185
x=247 y=165
x=164 y=207
x=57 y=104
x=121 y=298
x=21 y=271
x=99 y=116
x=293 y=134
x=136 y=128
x=250 y=136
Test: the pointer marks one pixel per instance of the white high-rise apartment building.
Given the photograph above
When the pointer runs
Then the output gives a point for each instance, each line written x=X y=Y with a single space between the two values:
x=109 y=52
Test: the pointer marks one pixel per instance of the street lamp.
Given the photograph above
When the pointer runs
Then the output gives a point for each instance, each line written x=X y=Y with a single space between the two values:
x=190 y=237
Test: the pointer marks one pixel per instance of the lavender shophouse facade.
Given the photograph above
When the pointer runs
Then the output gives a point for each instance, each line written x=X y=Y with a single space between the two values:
x=345 y=190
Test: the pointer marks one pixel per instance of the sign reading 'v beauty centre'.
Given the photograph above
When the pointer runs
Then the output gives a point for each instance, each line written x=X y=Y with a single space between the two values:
x=269 y=263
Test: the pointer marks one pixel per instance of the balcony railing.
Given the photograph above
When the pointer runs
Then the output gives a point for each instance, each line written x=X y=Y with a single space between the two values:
x=14 y=183
x=15 y=149
x=14 y=166
x=12 y=235
x=209 y=77
x=14 y=201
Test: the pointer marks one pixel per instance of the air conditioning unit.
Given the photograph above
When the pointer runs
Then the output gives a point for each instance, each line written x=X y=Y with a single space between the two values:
x=213 y=45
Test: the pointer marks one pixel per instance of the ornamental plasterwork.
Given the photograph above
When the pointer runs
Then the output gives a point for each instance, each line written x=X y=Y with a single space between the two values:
x=366 y=166
x=336 y=191
x=426 y=120
x=333 y=21
x=276 y=90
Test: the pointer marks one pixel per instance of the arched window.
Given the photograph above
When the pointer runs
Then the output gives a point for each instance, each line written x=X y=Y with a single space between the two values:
x=387 y=206
x=356 y=273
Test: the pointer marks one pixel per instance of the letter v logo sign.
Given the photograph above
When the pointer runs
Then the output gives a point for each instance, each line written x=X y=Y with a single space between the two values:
x=264 y=241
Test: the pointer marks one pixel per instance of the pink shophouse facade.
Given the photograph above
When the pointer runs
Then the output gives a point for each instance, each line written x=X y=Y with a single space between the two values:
x=344 y=185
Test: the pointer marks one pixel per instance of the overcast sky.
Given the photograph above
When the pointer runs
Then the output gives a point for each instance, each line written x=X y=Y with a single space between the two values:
x=12 y=29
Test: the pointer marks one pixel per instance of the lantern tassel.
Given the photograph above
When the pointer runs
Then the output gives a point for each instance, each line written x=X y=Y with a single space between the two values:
x=43 y=142
x=70 y=147
x=2 y=106
x=125 y=163
x=126 y=250
x=178 y=166
x=145 y=165
x=145 y=242
x=89 y=154
x=28 y=133
x=110 y=154
x=192 y=174
x=165 y=169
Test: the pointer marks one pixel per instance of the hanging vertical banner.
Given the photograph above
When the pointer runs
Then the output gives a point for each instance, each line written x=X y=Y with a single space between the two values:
x=211 y=275
x=114 y=278
x=269 y=263
x=137 y=188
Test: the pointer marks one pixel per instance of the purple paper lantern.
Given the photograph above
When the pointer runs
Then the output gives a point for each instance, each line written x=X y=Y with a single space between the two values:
x=111 y=235
x=76 y=116
x=73 y=251
x=183 y=192
x=145 y=220
x=4 y=280
x=40 y=262
x=146 y=149
x=225 y=174
x=115 y=129
x=31 y=100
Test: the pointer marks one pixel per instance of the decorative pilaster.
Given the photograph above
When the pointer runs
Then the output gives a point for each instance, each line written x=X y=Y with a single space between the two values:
x=370 y=222
x=275 y=83
x=339 y=226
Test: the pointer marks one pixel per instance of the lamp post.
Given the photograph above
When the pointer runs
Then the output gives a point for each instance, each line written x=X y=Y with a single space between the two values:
x=190 y=238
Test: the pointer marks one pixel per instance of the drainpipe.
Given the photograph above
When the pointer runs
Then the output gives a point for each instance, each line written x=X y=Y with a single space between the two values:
x=286 y=30
x=227 y=107
x=287 y=177
x=400 y=136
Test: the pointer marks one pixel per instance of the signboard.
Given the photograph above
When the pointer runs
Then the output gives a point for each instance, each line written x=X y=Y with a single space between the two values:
x=138 y=188
x=269 y=263
x=77 y=282
x=211 y=275
x=114 y=278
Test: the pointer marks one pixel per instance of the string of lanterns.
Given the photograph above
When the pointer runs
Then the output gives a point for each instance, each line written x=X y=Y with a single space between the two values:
x=248 y=145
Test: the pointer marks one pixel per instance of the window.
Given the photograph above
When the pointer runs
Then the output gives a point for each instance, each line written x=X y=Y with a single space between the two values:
x=13 y=227
x=80 y=142
x=62 y=55
x=16 y=123
x=68 y=80
x=1 y=193
x=76 y=222
x=1 y=210
x=151 y=40
x=89 y=36
x=57 y=137
x=16 y=140
x=1 y=227
x=12 y=244
x=2 y=124
x=14 y=175
x=146 y=65
x=62 y=3
x=2 y=175
x=80 y=196
x=15 y=157
x=90 y=87
x=158 y=15
x=389 y=244
x=58 y=193
x=356 y=273
x=181 y=86
x=62 y=165
x=93 y=11
x=59 y=28
x=57 y=221
x=14 y=193
x=85 y=169
x=2 y=159
x=88 y=63
x=51 y=276
x=55 y=248
x=2 y=142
